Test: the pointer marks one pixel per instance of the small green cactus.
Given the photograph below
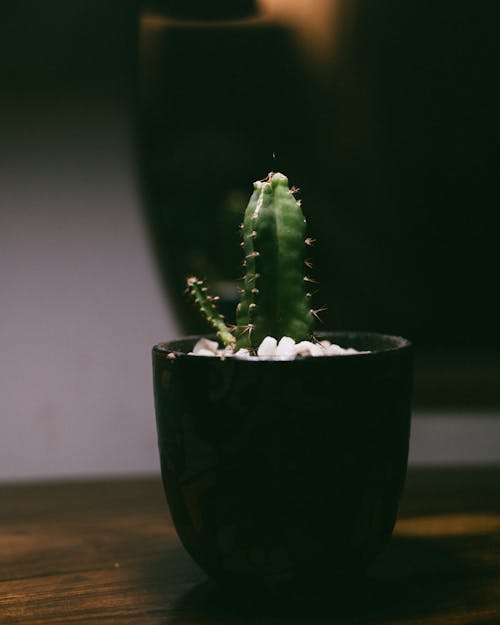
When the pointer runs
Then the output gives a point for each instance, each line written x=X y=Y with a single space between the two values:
x=274 y=301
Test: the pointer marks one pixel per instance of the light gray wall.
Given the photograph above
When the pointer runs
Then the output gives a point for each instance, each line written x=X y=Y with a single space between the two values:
x=80 y=306
x=80 y=302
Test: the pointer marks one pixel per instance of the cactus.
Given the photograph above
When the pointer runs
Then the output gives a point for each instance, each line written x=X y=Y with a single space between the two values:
x=274 y=301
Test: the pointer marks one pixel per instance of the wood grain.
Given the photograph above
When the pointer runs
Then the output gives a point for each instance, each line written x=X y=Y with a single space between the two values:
x=106 y=552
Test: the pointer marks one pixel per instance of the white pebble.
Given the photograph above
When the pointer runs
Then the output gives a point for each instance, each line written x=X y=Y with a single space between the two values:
x=334 y=350
x=286 y=347
x=267 y=347
x=243 y=353
x=303 y=348
x=317 y=350
x=204 y=352
x=206 y=345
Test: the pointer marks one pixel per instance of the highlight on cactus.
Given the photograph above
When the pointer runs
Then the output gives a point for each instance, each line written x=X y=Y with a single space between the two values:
x=275 y=303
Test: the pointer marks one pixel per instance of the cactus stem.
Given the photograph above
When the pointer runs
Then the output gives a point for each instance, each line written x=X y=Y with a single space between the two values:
x=273 y=234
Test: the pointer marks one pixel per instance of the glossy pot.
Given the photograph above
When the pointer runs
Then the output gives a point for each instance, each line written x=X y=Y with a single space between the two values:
x=284 y=470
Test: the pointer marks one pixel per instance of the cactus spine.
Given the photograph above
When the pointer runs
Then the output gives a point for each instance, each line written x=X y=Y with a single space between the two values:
x=274 y=301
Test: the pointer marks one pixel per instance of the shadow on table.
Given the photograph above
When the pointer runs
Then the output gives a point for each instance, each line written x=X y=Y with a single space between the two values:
x=414 y=577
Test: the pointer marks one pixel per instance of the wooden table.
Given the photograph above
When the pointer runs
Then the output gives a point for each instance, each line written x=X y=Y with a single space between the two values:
x=105 y=552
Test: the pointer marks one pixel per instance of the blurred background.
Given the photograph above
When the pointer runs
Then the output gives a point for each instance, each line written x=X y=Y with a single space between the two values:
x=129 y=135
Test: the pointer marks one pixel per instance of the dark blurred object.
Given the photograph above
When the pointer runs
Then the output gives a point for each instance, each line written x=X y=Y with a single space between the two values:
x=462 y=381
x=52 y=52
x=387 y=120
x=201 y=9
x=217 y=99
x=429 y=70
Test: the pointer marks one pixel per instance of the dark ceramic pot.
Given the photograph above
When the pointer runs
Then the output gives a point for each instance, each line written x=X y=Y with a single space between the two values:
x=284 y=470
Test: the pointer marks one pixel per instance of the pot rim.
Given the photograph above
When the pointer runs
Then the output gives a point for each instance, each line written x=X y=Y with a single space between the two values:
x=395 y=343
